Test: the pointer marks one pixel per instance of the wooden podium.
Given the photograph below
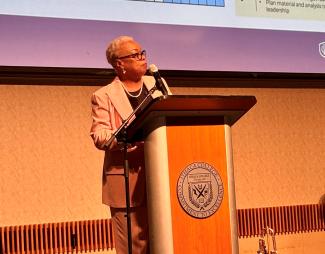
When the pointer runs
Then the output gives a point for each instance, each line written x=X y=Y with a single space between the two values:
x=189 y=172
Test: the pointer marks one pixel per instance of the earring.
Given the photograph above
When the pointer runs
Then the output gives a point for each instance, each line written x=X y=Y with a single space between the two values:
x=123 y=71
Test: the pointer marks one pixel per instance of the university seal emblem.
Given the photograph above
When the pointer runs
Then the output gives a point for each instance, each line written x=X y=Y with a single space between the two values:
x=200 y=190
x=322 y=49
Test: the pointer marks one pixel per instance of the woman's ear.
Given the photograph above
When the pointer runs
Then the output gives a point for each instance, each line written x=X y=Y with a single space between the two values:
x=118 y=63
x=119 y=67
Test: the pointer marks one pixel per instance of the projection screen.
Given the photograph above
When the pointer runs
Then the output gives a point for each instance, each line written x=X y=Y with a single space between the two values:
x=209 y=35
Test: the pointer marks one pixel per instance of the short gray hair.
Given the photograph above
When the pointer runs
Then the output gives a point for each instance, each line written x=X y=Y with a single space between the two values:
x=114 y=46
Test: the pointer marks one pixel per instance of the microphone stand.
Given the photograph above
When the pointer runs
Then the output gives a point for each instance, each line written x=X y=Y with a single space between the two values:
x=121 y=135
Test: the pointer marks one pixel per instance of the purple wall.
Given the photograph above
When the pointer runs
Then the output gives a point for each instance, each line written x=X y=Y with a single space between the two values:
x=32 y=41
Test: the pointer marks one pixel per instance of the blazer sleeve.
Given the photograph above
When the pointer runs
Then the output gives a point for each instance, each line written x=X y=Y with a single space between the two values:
x=101 y=128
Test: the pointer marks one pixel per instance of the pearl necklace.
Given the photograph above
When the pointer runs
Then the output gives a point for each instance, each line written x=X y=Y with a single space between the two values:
x=131 y=95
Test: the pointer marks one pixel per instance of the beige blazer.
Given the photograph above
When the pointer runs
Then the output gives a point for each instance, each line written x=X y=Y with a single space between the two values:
x=110 y=105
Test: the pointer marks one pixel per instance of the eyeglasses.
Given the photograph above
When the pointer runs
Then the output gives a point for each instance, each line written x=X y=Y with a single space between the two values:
x=138 y=56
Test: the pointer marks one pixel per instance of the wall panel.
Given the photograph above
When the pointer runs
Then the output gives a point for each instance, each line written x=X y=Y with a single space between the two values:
x=51 y=172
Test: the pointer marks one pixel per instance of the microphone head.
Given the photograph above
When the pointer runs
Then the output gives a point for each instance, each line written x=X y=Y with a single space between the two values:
x=153 y=68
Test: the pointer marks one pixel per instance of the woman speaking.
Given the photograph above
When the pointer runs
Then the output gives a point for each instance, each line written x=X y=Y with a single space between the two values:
x=111 y=105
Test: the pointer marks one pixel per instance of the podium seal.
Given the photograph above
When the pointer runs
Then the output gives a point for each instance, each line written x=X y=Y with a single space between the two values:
x=200 y=190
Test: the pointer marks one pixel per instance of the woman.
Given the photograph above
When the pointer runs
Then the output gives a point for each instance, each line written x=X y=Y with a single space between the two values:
x=110 y=106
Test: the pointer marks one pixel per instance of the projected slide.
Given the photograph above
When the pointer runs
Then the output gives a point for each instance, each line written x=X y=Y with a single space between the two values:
x=291 y=15
x=288 y=9
x=197 y=2
x=241 y=35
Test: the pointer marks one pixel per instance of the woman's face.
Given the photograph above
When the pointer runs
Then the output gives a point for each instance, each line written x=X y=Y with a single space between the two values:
x=132 y=59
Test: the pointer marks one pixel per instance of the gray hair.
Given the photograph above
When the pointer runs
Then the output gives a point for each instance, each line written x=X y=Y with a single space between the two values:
x=114 y=46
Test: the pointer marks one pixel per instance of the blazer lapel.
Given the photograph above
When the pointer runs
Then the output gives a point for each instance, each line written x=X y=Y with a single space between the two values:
x=149 y=82
x=119 y=99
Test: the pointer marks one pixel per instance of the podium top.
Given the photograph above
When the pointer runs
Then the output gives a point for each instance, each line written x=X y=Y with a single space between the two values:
x=227 y=108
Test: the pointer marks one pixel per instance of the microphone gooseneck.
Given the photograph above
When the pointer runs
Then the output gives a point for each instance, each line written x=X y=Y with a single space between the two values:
x=159 y=82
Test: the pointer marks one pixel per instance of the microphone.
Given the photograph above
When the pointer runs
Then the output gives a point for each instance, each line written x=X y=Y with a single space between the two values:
x=159 y=83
